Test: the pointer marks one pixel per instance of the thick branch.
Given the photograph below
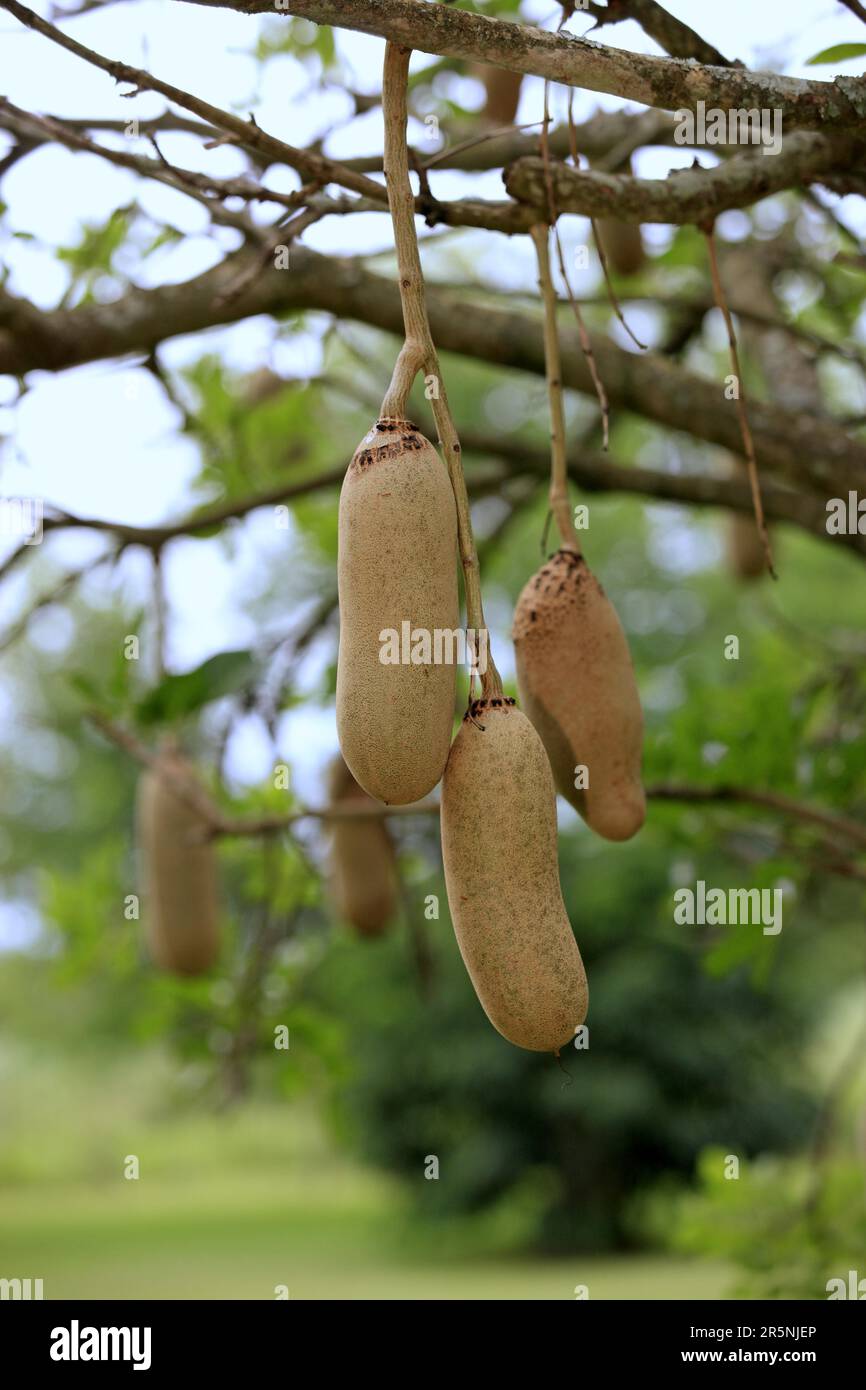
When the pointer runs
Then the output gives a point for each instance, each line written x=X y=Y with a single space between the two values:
x=155 y=538
x=220 y=824
x=597 y=472
x=804 y=449
x=670 y=83
x=591 y=471
x=686 y=195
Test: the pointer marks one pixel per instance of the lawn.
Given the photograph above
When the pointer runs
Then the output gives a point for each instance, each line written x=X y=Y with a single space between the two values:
x=231 y=1207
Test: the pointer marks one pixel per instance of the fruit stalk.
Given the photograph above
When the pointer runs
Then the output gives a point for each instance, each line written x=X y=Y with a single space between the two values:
x=559 y=502
x=419 y=351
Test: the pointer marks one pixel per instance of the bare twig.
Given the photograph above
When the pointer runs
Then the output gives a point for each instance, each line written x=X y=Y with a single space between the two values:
x=745 y=428
x=856 y=8
x=314 y=166
x=596 y=236
x=220 y=824
x=553 y=218
x=560 y=505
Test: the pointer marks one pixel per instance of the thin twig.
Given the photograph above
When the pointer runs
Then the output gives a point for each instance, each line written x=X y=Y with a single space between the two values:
x=585 y=343
x=248 y=133
x=745 y=430
x=553 y=215
x=450 y=150
x=560 y=505
x=596 y=235
x=855 y=7
x=216 y=823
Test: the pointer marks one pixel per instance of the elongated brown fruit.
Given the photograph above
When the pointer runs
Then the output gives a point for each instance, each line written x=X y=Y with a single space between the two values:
x=178 y=870
x=397 y=565
x=577 y=683
x=362 y=863
x=501 y=871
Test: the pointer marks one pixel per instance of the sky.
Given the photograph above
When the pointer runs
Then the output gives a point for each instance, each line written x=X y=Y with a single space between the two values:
x=102 y=439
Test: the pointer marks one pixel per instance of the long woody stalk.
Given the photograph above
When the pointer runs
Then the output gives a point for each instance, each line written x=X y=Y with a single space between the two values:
x=559 y=503
x=419 y=352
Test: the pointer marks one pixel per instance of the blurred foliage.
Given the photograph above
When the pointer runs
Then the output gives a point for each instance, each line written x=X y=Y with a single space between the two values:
x=678 y=1059
x=791 y=1232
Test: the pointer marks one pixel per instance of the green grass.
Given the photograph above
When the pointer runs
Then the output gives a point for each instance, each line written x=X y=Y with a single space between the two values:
x=229 y=1207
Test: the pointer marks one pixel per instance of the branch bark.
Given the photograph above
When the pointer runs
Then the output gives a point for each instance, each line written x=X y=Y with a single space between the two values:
x=669 y=83
x=194 y=794
x=806 y=450
x=687 y=195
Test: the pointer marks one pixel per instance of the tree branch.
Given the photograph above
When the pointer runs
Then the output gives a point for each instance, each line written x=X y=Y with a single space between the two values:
x=313 y=166
x=670 y=83
x=856 y=8
x=686 y=195
x=597 y=472
x=593 y=472
x=806 y=450
x=204 y=187
x=221 y=824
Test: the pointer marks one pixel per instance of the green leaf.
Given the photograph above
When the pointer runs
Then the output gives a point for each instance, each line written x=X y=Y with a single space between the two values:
x=839 y=53
x=178 y=695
